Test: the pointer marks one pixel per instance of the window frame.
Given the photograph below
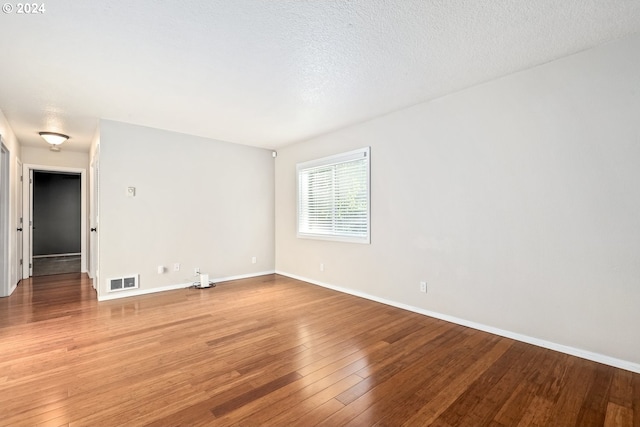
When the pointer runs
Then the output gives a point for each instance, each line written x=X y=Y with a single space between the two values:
x=333 y=160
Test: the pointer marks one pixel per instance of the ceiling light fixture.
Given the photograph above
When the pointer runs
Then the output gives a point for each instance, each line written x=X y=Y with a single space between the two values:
x=54 y=138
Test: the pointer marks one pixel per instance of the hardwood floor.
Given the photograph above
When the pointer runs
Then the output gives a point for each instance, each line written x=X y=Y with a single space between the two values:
x=276 y=351
x=56 y=265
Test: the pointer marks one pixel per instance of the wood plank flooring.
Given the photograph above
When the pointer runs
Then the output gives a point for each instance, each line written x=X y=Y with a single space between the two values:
x=275 y=351
x=56 y=265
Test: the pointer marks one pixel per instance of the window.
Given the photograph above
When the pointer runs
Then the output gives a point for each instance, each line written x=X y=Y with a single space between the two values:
x=333 y=197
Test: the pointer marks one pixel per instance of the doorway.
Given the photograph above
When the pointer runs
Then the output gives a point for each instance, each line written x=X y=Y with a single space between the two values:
x=56 y=223
x=54 y=237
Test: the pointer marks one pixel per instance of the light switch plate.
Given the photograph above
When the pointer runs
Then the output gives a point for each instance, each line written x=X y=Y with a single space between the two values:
x=131 y=191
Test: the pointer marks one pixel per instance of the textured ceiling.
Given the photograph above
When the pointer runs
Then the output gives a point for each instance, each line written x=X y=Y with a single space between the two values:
x=269 y=73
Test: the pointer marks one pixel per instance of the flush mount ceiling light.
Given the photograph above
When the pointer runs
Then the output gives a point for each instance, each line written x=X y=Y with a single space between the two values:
x=54 y=138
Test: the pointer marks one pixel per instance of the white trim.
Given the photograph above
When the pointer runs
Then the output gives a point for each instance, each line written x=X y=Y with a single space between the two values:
x=584 y=354
x=138 y=292
x=5 y=220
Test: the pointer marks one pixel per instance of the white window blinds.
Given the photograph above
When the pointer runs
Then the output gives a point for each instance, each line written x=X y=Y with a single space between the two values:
x=333 y=197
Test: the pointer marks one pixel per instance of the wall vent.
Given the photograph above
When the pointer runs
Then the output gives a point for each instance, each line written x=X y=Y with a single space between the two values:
x=123 y=283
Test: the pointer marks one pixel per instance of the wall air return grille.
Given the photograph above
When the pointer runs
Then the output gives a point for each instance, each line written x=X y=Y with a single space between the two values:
x=123 y=283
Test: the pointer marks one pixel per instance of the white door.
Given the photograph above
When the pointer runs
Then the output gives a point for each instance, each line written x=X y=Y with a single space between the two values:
x=20 y=229
x=26 y=225
x=29 y=259
x=95 y=220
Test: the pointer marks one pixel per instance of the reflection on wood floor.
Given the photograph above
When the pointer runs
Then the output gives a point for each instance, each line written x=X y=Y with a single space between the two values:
x=276 y=351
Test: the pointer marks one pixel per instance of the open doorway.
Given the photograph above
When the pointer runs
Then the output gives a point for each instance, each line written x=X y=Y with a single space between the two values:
x=55 y=220
x=56 y=223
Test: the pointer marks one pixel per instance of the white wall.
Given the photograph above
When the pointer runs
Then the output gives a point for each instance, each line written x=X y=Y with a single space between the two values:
x=12 y=144
x=199 y=202
x=518 y=201
x=63 y=158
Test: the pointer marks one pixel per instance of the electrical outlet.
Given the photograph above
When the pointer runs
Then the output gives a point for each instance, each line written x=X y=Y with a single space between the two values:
x=254 y=260
x=176 y=266
x=423 y=287
x=196 y=271
x=321 y=267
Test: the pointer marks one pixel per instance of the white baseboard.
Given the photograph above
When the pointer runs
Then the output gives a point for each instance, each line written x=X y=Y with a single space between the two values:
x=584 y=354
x=137 y=292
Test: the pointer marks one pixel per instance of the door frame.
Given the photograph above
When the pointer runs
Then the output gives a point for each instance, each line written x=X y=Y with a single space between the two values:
x=5 y=222
x=27 y=237
x=94 y=219
x=19 y=223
